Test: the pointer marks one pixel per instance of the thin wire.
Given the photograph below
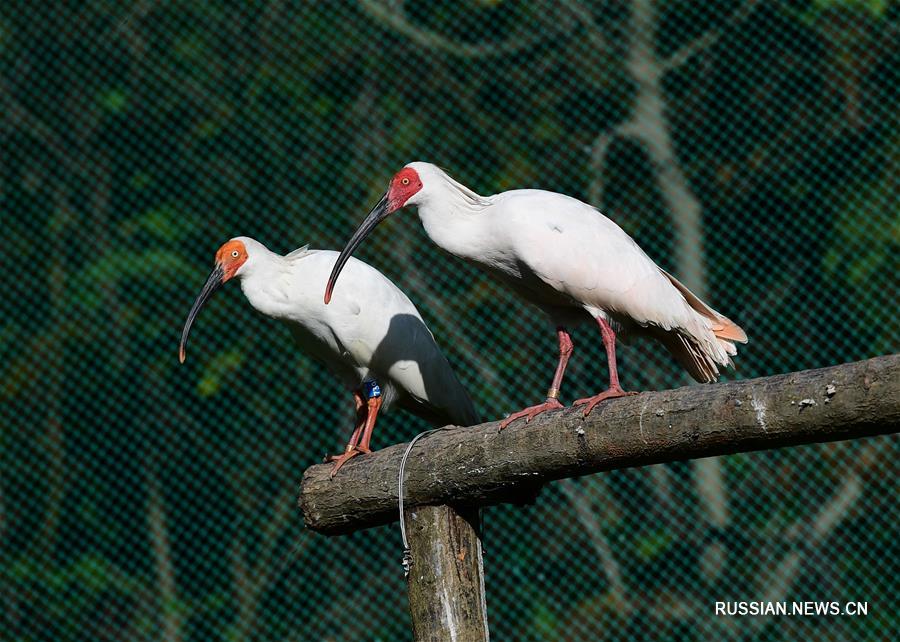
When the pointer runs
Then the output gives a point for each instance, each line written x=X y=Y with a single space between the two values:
x=407 y=552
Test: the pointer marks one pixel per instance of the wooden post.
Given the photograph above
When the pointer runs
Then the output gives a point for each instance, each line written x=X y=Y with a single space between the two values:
x=446 y=577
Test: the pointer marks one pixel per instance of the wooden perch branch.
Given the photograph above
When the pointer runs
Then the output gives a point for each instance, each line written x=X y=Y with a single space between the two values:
x=479 y=465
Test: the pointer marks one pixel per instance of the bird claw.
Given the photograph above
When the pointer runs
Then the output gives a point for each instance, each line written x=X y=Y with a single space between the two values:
x=343 y=458
x=532 y=411
x=611 y=393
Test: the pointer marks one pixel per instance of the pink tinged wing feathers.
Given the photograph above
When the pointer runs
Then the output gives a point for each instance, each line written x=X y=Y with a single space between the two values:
x=574 y=249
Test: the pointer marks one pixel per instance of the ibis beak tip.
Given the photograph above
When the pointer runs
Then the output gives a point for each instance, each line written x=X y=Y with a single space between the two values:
x=213 y=283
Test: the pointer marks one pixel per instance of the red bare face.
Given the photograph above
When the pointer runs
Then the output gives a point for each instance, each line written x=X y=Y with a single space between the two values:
x=405 y=183
x=231 y=256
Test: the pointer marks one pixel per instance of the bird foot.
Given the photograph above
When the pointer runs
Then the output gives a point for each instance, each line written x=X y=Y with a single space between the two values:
x=611 y=393
x=532 y=411
x=340 y=460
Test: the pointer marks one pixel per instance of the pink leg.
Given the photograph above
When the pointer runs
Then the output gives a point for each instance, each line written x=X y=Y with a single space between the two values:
x=372 y=407
x=351 y=449
x=614 y=390
x=566 y=347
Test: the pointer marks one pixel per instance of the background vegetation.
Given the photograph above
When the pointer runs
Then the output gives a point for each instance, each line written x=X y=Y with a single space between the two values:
x=752 y=147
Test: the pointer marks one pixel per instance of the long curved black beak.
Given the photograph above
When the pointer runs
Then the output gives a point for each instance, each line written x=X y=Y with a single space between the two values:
x=378 y=214
x=213 y=283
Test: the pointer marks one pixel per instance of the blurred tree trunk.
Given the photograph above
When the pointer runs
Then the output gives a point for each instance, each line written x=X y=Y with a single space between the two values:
x=579 y=496
x=54 y=437
x=648 y=124
x=170 y=619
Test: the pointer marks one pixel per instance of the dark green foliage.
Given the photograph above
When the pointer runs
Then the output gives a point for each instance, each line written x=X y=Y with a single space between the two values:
x=140 y=499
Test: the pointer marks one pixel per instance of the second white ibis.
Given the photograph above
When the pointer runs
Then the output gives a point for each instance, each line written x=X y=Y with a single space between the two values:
x=568 y=259
x=372 y=338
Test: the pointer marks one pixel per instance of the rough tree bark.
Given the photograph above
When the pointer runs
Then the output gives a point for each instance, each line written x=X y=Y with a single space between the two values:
x=479 y=465
x=446 y=578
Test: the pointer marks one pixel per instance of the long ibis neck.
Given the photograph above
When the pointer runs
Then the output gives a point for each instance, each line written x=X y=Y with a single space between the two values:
x=453 y=217
x=262 y=286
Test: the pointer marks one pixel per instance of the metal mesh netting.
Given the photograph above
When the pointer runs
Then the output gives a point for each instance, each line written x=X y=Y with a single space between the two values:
x=751 y=148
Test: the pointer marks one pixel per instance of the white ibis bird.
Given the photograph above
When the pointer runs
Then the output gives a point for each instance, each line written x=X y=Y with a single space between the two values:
x=372 y=337
x=569 y=260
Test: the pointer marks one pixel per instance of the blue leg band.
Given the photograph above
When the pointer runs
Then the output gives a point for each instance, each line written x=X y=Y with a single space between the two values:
x=372 y=389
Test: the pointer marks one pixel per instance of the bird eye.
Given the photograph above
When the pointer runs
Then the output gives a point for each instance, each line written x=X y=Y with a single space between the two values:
x=405 y=181
x=235 y=253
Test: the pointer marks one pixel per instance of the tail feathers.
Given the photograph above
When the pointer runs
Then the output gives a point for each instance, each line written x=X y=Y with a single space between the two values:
x=725 y=328
x=729 y=348
x=721 y=326
x=702 y=346
x=462 y=413
x=457 y=407
x=446 y=401
x=690 y=355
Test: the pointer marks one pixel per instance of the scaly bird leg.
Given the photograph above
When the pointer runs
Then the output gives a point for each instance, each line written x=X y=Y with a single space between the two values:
x=368 y=410
x=361 y=411
x=614 y=390
x=566 y=347
x=374 y=404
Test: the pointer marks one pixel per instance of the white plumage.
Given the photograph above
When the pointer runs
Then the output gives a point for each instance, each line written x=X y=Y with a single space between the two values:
x=563 y=255
x=372 y=331
x=568 y=259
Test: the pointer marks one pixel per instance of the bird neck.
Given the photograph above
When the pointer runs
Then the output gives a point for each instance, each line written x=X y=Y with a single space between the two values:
x=261 y=283
x=453 y=217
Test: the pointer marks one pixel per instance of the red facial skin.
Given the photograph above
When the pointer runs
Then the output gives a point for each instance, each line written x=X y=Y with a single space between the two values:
x=403 y=186
x=231 y=257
